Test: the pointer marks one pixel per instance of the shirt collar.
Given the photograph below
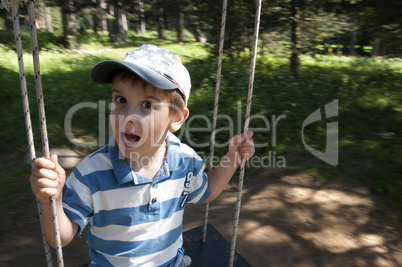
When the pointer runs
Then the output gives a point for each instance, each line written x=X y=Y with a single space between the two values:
x=122 y=171
x=173 y=158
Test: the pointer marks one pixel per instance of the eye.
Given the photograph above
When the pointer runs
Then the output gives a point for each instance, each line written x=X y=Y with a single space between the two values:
x=147 y=105
x=120 y=100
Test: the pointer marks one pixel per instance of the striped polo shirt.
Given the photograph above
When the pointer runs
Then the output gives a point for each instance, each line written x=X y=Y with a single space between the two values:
x=133 y=220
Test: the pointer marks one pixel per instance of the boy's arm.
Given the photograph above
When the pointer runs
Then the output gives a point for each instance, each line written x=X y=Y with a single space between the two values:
x=240 y=146
x=48 y=179
x=67 y=228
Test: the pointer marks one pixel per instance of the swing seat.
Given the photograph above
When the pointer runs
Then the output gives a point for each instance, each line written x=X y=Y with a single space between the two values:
x=214 y=252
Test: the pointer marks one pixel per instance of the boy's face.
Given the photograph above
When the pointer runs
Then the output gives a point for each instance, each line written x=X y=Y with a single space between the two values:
x=140 y=118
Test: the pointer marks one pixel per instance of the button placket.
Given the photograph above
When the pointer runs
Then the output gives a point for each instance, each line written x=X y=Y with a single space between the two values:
x=153 y=194
x=153 y=205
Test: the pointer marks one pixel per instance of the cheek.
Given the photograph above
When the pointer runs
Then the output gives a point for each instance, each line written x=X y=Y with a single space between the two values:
x=114 y=122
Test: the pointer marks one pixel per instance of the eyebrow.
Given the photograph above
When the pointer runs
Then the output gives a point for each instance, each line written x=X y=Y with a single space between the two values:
x=155 y=98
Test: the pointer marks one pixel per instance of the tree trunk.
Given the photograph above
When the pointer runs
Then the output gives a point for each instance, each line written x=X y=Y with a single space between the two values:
x=110 y=23
x=40 y=18
x=90 y=21
x=199 y=35
x=118 y=35
x=294 y=18
x=161 y=22
x=48 y=16
x=124 y=21
x=70 y=38
x=180 y=27
x=102 y=22
x=8 y=22
x=141 y=27
x=377 y=47
x=353 y=39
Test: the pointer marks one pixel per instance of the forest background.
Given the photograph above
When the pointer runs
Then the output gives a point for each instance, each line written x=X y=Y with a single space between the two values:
x=310 y=53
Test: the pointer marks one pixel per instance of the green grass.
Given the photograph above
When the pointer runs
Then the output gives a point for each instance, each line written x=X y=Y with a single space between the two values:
x=369 y=91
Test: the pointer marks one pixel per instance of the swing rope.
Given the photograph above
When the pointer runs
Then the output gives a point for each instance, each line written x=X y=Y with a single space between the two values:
x=43 y=129
x=45 y=145
x=246 y=124
x=24 y=95
x=218 y=82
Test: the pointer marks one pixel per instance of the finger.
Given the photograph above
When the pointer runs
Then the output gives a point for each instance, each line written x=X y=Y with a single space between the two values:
x=247 y=144
x=45 y=193
x=55 y=159
x=237 y=140
x=44 y=190
x=47 y=174
x=44 y=163
x=43 y=172
x=247 y=153
x=249 y=149
x=247 y=135
x=46 y=183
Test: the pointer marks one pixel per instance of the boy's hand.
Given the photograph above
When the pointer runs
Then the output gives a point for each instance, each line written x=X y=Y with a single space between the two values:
x=47 y=179
x=242 y=146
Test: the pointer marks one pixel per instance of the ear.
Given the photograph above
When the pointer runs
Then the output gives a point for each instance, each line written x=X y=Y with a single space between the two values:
x=178 y=119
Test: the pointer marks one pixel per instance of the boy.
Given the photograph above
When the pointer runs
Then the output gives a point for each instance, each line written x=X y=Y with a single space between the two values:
x=132 y=192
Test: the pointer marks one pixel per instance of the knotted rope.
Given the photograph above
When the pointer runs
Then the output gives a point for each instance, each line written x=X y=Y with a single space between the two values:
x=246 y=124
x=13 y=5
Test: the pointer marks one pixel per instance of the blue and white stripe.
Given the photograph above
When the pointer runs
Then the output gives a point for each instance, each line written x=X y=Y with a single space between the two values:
x=133 y=220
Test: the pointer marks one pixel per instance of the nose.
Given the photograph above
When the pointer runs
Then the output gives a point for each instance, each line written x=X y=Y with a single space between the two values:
x=126 y=115
x=128 y=120
x=131 y=115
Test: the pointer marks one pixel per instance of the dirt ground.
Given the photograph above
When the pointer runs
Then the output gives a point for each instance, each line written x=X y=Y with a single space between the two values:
x=285 y=221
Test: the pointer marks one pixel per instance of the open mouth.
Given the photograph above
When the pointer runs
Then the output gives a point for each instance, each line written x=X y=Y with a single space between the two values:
x=130 y=139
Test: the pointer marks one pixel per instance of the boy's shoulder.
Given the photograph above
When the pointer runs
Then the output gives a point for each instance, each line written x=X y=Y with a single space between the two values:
x=187 y=157
x=185 y=150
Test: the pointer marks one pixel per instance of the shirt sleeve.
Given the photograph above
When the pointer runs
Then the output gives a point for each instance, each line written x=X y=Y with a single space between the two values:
x=199 y=190
x=77 y=201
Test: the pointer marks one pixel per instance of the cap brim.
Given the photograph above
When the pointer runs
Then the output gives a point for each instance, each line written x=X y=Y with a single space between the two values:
x=104 y=71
